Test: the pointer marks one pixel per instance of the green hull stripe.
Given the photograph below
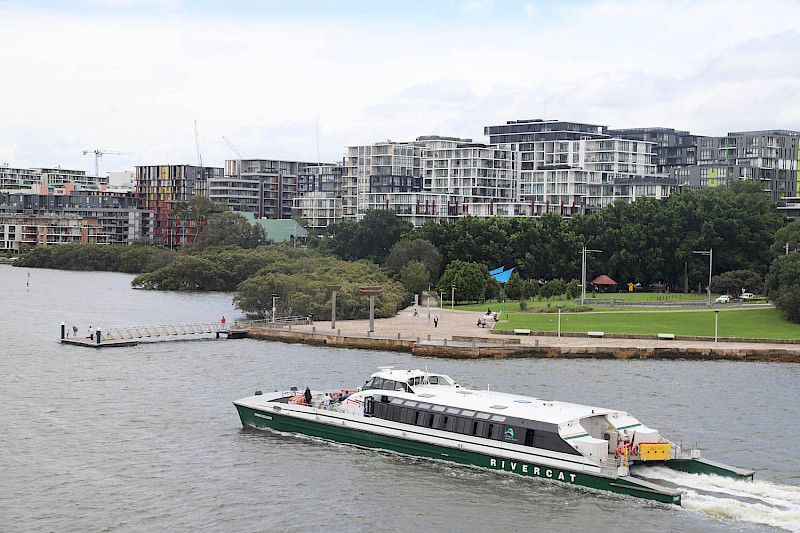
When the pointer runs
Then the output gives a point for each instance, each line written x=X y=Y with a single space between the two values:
x=577 y=436
x=628 y=427
x=272 y=420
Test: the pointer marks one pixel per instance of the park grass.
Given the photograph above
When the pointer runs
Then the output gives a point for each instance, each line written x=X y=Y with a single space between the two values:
x=513 y=305
x=750 y=323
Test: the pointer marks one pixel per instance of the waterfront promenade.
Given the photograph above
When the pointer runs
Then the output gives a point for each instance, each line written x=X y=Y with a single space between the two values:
x=458 y=335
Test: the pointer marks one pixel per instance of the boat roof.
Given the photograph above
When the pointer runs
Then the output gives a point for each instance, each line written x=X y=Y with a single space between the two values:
x=501 y=403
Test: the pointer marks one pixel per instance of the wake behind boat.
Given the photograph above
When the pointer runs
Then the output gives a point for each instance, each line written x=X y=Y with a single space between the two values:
x=430 y=415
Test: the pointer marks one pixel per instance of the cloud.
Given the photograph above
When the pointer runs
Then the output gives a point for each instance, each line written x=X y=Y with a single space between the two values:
x=138 y=81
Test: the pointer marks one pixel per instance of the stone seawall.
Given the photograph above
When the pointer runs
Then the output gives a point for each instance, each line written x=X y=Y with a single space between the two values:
x=475 y=349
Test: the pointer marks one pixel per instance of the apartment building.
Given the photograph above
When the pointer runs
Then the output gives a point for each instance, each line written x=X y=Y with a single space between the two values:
x=265 y=187
x=25 y=178
x=673 y=148
x=319 y=198
x=112 y=217
x=160 y=187
x=577 y=168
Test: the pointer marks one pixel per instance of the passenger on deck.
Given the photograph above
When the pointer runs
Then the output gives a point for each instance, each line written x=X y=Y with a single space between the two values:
x=327 y=400
x=307 y=396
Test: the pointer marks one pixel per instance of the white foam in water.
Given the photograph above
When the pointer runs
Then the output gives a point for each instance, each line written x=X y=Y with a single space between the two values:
x=755 y=502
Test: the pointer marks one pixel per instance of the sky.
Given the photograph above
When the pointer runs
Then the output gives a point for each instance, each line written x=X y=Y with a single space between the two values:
x=303 y=79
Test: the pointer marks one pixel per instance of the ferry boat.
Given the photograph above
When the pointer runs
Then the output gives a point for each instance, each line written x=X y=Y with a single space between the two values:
x=430 y=415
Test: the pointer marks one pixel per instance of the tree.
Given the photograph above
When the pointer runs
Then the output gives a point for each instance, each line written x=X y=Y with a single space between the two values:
x=492 y=289
x=573 y=289
x=554 y=287
x=371 y=238
x=230 y=229
x=787 y=235
x=196 y=211
x=783 y=285
x=514 y=286
x=407 y=250
x=469 y=279
x=415 y=277
x=737 y=282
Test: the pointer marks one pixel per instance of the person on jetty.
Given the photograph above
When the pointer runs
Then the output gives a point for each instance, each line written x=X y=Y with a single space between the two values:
x=307 y=396
x=91 y=333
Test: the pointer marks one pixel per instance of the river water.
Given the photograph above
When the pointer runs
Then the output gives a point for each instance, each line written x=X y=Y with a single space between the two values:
x=145 y=438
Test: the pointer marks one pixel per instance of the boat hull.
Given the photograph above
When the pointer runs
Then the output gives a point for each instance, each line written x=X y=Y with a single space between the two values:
x=341 y=433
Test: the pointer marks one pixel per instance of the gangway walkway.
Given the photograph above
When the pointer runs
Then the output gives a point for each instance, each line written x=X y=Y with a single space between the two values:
x=138 y=332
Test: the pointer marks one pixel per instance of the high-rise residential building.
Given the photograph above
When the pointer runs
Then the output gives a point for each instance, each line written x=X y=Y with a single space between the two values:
x=25 y=178
x=160 y=187
x=572 y=167
x=265 y=187
x=319 y=198
x=70 y=213
x=384 y=167
x=673 y=148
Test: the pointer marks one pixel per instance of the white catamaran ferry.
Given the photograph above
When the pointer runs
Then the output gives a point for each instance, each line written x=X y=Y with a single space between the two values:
x=430 y=415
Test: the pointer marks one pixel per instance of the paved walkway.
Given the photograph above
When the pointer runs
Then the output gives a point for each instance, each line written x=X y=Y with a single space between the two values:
x=464 y=323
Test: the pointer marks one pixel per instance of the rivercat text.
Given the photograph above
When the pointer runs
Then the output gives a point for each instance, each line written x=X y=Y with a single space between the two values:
x=522 y=468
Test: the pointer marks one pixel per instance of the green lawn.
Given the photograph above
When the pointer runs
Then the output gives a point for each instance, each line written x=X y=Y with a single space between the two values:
x=513 y=305
x=750 y=323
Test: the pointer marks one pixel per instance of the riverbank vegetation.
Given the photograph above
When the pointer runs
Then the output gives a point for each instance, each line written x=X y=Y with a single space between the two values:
x=650 y=243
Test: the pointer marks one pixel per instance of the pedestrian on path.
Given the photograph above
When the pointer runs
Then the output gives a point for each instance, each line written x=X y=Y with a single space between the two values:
x=436 y=321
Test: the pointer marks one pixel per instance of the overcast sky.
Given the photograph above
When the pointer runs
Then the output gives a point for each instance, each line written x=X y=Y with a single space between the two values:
x=302 y=80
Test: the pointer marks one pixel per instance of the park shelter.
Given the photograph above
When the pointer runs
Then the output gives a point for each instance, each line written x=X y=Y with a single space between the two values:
x=604 y=283
x=279 y=230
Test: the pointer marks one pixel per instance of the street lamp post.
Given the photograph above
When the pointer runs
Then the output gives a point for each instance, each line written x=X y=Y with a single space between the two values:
x=441 y=300
x=333 y=288
x=716 y=323
x=583 y=272
x=710 y=254
x=453 y=297
x=559 y=321
x=274 y=306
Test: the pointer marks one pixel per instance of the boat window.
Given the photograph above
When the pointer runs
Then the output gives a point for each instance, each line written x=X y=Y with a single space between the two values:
x=438 y=408
x=498 y=418
x=399 y=385
x=459 y=425
x=430 y=420
x=416 y=418
x=490 y=431
x=388 y=384
x=377 y=383
x=529 y=437
x=522 y=401
x=433 y=380
x=498 y=406
x=475 y=425
x=453 y=410
x=445 y=420
x=394 y=413
x=397 y=401
x=468 y=413
x=483 y=416
x=424 y=406
x=410 y=403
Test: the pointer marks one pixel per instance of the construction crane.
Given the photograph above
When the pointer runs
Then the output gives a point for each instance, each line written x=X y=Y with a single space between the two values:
x=230 y=145
x=98 y=153
x=197 y=143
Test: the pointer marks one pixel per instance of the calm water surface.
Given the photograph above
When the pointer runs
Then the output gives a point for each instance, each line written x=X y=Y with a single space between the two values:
x=146 y=438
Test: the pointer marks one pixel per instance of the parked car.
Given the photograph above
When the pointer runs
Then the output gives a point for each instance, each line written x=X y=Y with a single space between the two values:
x=725 y=298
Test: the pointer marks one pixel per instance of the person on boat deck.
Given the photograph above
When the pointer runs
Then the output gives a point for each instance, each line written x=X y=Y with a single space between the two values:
x=345 y=395
x=327 y=400
x=307 y=396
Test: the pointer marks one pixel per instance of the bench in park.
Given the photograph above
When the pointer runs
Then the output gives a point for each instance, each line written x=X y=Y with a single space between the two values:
x=522 y=332
x=595 y=334
x=666 y=336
